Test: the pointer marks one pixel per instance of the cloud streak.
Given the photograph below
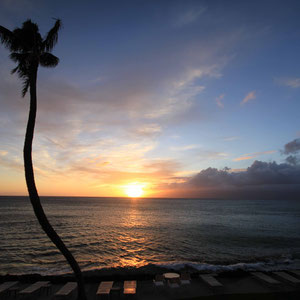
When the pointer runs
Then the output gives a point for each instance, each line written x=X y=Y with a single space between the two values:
x=253 y=155
x=289 y=82
x=248 y=97
x=219 y=100
x=189 y=16
x=185 y=148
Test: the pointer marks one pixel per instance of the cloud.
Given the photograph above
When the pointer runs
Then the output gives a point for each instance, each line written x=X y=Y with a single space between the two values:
x=180 y=91
x=230 y=138
x=243 y=158
x=219 y=100
x=76 y=125
x=248 y=97
x=237 y=170
x=152 y=173
x=189 y=16
x=253 y=155
x=259 y=173
x=11 y=162
x=261 y=179
x=139 y=98
x=185 y=148
x=147 y=130
x=210 y=154
x=92 y=128
x=290 y=82
x=292 y=159
x=191 y=74
x=162 y=166
x=292 y=147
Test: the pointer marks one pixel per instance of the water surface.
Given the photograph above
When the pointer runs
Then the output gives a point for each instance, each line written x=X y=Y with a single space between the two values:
x=115 y=232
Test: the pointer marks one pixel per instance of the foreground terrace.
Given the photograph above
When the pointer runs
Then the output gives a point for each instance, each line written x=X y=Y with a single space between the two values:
x=234 y=285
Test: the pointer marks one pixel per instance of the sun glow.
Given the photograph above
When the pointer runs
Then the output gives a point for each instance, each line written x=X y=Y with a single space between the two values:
x=134 y=190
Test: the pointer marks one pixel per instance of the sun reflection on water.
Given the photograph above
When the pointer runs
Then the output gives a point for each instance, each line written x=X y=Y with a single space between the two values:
x=133 y=242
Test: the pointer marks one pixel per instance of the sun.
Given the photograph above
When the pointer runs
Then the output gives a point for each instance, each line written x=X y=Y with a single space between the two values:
x=134 y=190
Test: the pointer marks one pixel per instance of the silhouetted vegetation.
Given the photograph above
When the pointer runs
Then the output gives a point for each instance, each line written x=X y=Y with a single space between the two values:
x=29 y=50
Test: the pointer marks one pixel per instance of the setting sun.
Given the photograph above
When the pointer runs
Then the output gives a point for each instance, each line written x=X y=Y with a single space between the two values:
x=134 y=190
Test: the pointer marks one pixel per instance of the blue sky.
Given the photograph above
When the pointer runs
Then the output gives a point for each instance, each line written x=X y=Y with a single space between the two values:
x=153 y=93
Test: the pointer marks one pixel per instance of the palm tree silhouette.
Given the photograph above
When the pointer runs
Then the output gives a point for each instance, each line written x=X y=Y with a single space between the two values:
x=29 y=50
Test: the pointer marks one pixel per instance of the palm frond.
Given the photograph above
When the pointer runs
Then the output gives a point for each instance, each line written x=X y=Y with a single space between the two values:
x=19 y=57
x=29 y=50
x=48 y=60
x=52 y=37
x=27 y=37
x=23 y=72
x=6 y=37
x=28 y=25
x=26 y=83
x=14 y=70
x=17 y=43
x=23 y=60
x=22 y=69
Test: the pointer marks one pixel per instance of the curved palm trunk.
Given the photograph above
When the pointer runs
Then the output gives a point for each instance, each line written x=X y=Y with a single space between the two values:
x=33 y=194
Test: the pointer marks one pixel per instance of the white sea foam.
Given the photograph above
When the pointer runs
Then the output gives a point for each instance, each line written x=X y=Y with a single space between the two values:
x=270 y=265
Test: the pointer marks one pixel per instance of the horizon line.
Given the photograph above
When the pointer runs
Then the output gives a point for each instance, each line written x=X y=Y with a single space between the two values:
x=200 y=198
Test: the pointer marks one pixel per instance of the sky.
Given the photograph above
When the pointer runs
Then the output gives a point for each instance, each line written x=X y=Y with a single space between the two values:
x=177 y=98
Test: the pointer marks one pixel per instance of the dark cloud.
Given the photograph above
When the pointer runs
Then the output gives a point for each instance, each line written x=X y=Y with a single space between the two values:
x=292 y=147
x=260 y=180
x=293 y=159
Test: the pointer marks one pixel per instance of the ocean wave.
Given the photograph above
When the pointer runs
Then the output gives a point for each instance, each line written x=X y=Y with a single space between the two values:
x=92 y=269
x=196 y=267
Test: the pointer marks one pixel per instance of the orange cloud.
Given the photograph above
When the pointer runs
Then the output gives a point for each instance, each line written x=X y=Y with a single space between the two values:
x=253 y=155
x=248 y=97
x=219 y=100
x=243 y=158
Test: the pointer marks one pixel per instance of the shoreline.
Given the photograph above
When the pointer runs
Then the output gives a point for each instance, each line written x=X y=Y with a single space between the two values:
x=151 y=269
x=92 y=278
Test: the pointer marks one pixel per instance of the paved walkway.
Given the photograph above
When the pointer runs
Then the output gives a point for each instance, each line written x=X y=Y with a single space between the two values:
x=233 y=285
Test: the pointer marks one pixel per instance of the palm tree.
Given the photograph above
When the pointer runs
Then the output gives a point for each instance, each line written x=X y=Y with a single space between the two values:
x=29 y=50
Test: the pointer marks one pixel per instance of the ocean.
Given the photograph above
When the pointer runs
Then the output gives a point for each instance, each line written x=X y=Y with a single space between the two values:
x=120 y=234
